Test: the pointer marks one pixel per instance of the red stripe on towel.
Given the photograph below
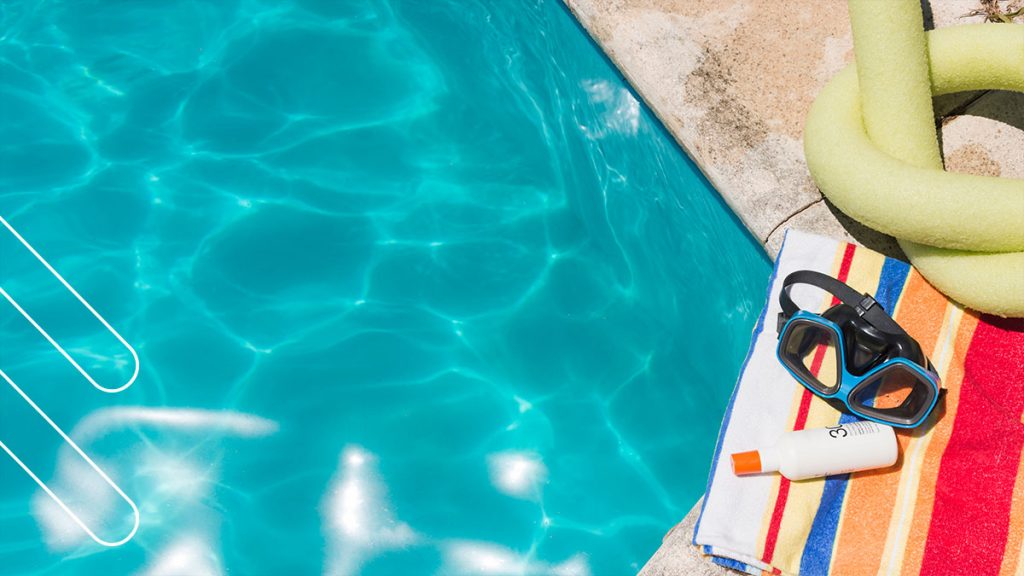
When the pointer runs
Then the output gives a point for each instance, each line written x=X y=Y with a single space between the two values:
x=772 y=537
x=974 y=489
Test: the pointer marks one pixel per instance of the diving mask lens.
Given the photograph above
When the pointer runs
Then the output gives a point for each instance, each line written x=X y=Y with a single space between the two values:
x=896 y=393
x=811 y=351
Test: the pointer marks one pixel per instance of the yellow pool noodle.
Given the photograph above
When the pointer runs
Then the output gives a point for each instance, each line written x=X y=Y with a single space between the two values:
x=892 y=74
x=962 y=214
x=928 y=206
x=988 y=282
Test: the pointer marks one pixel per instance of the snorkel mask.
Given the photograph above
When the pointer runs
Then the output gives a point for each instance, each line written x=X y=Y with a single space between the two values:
x=855 y=356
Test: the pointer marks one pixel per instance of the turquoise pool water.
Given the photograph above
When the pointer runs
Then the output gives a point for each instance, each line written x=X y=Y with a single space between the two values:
x=416 y=287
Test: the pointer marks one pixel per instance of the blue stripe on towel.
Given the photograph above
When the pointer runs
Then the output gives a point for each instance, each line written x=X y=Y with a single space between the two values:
x=817 y=555
x=890 y=284
x=735 y=565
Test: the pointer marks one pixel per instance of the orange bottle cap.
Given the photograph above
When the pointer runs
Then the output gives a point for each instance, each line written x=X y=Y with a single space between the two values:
x=746 y=463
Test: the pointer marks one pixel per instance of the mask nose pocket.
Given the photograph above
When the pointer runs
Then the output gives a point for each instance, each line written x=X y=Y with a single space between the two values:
x=864 y=351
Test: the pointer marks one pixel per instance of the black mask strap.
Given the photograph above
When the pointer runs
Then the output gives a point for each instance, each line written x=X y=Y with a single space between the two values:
x=864 y=304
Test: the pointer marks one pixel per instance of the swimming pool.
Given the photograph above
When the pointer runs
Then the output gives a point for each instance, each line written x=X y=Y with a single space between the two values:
x=416 y=287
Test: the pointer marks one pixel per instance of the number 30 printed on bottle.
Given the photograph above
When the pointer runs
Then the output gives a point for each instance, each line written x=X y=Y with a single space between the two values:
x=11 y=237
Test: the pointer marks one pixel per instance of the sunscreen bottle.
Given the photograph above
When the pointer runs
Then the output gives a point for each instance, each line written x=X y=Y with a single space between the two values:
x=823 y=452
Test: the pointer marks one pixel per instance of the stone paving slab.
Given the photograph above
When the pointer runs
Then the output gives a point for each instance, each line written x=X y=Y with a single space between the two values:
x=987 y=137
x=678 y=557
x=732 y=82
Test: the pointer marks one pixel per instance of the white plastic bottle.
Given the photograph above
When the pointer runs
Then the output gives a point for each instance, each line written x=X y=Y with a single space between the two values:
x=823 y=452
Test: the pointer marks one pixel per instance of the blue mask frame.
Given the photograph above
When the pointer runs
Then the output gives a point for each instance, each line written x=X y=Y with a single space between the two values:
x=850 y=384
x=880 y=345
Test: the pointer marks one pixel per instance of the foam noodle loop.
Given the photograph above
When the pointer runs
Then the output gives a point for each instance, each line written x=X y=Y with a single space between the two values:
x=872 y=148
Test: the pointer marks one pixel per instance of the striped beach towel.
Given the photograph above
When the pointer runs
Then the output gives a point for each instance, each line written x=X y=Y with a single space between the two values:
x=953 y=504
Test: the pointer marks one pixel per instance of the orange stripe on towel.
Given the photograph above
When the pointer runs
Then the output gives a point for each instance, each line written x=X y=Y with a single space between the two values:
x=916 y=453
x=871 y=495
x=940 y=434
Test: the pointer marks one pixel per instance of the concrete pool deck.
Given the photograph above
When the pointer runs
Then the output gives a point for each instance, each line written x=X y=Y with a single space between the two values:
x=732 y=82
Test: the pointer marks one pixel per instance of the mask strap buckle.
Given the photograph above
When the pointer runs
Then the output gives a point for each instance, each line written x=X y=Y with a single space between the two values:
x=866 y=303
